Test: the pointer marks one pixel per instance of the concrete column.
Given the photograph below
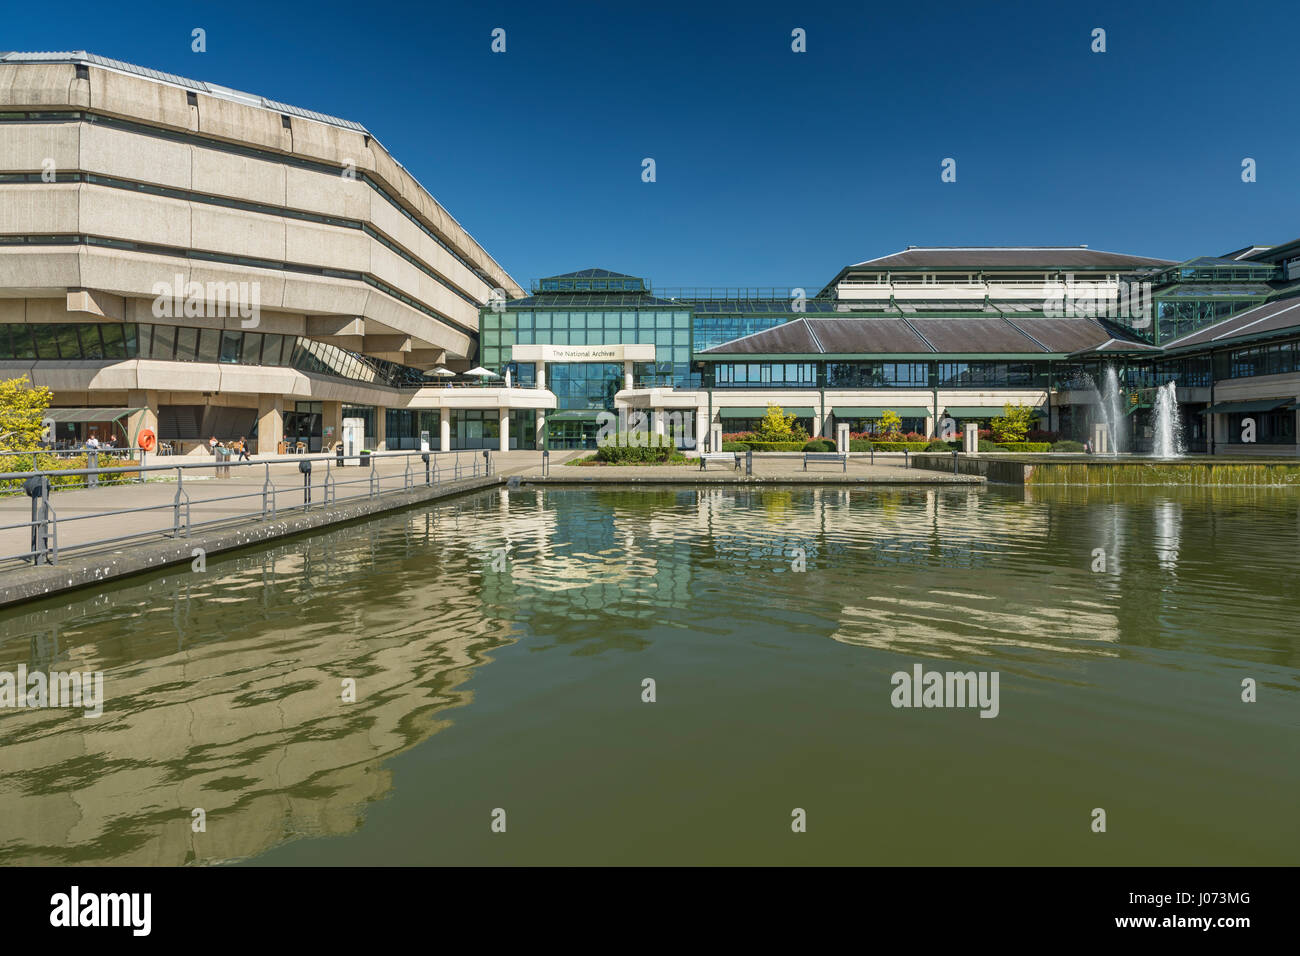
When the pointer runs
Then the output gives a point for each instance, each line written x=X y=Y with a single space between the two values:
x=817 y=425
x=541 y=375
x=539 y=432
x=444 y=429
x=627 y=374
x=331 y=423
x=929 y=426
x=701 y=427
x=270 y=423
x=503 y=415
x=658 y=419
x=381 y=428
x=971 y=441
x=842 y=437
x=147 y=401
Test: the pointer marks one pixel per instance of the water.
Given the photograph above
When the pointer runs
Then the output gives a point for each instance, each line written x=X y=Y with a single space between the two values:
x=521 y=688
x=1167 y=441
x=1112 y=405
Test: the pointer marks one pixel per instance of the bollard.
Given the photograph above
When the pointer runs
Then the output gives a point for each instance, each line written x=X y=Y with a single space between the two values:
x=749 y=462
x=546 y=462
x=487 y=462
x=954 y=462
x=305 y=468
x=338 y=455
x=428 y=475
x=905 y=460
x=92 y=462
x=38 y=489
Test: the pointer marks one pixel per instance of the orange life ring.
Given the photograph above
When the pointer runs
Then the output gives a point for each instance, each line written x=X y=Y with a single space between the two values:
x=147 y=439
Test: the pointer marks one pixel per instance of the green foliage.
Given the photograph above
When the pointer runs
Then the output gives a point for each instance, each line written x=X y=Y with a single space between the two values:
x=1013 y=424
x=939 y=446
x=769 y=446
x=776 y=426
x=891 y=426
x=986 y=445
x=40 y=461
x=1025 y=446
x=860 y=444
x=735 y=446
x=22 y=409
x=637 y=448
x=1068 y=446
x=819 y=444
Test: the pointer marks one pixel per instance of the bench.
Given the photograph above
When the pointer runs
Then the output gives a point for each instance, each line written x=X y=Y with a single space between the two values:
x=730 y=457
x=825 y=457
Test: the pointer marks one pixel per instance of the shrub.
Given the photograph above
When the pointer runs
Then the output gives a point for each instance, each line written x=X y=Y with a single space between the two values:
x=1025 y=446
x=1013 y=423
x=819 y=444
x=985 y=445
x=859 y=444
x=774 y=445
x=938 y=446
x=776 y=426
x=1037 y=434
x=735 y=445
x=1068 y=446
x=623 y=449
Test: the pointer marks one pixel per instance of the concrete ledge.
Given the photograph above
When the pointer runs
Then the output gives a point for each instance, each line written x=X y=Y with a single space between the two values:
x=722 y=478
x=85 y=570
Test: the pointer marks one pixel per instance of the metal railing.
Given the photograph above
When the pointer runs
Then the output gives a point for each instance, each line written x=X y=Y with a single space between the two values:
x=315 y=483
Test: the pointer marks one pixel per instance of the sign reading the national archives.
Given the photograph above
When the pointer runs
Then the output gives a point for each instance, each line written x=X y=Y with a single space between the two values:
x=583 y=353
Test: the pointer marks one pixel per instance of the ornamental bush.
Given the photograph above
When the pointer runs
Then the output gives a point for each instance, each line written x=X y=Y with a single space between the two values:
x=819 y=444
x=1068 y=446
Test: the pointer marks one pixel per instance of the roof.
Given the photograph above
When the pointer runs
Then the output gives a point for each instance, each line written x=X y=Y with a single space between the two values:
x=920 y=336
x=1010 y=257
x=593 y=274
x=1211 y=262
x=212 y=89
x=589 y=300
x=1276 y=316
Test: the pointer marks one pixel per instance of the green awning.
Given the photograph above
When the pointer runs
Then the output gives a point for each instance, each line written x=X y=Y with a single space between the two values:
x=754 y=411
x=979 y=411
x=1259 y=405
x=87 y=414
x=862 y=411
x=574 y=415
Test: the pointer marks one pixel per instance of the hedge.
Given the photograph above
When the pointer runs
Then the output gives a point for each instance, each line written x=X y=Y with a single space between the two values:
x=820 y=444
x=1067 y=446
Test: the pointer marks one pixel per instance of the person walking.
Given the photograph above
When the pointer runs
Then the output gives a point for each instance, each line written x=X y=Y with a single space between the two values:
x=243 y=449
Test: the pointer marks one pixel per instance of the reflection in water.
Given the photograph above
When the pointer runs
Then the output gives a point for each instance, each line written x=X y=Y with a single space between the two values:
x=223 y=688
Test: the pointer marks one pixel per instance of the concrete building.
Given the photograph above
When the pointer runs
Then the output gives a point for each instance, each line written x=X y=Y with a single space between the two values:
x=184 y=257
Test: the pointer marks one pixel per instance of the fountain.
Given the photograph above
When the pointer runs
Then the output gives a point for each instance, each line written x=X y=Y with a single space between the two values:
x=1112 y=407
x=1167 y=441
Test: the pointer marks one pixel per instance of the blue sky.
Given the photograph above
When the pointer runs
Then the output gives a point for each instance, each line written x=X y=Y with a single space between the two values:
x=773 y=168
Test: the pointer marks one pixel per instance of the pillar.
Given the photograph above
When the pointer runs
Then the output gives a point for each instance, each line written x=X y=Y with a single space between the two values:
x=541 y=375
x=331 y=423
x=539 y=433
x=381 y=428
x=817 y=424
x=929 y=426
x=503 y=416
x=701 y=427
x=147 y=401
x=627 y=374
x=444 y=429
x=270 y=423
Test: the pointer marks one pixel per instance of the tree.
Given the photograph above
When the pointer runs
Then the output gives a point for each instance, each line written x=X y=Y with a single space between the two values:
x=777 y=426
x=1013 y=424
x=22 y=413
x=891 y=426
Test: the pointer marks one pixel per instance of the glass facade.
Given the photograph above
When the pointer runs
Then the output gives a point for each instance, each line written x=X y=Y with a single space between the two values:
x=992 y=374
x=1271 y=428
x=1253 y=360
x=668 y=331
x=877 y=374
x=770 y=374
x=169 y=343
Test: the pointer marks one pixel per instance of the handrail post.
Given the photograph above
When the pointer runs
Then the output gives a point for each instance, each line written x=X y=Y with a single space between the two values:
x=92 y=462
x=266 y=481
x=143 y=454
x=176 y=504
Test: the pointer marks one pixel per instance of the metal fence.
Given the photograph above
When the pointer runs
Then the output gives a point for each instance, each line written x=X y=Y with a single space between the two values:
x=317 y=481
